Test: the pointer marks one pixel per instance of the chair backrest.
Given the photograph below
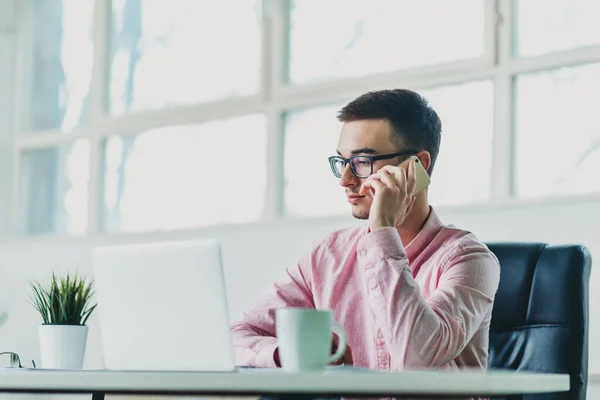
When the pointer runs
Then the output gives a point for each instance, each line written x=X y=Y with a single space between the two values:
x=540 y=316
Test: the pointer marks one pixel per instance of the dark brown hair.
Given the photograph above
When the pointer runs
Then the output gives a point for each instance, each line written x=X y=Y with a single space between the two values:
x=414 y=123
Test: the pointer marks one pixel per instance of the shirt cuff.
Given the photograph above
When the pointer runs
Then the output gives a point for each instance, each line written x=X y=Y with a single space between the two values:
x=265 y=358
x=380 y=244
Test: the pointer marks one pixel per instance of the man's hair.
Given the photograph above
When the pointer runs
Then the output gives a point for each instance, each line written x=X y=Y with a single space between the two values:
x=415 y=125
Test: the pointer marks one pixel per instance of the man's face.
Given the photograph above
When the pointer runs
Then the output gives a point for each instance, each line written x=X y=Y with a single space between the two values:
x=364 y=137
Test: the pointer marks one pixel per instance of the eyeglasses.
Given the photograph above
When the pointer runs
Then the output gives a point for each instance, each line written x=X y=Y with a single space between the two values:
x=361 y=166
x=8 y=359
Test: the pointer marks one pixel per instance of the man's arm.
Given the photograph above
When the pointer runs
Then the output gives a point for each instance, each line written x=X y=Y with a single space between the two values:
x=254 y=335
x=426 y=333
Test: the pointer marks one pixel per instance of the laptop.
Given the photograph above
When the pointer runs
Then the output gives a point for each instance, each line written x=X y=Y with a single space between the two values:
x=163 y=306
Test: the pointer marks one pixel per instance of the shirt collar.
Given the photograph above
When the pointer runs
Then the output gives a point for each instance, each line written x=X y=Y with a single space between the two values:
x=430 y=229
x=432 y=226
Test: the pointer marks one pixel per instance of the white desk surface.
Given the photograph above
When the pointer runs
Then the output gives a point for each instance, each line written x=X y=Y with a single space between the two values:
x=257 y=382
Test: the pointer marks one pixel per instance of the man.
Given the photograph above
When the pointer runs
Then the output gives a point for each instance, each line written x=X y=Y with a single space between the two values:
x=410 y=292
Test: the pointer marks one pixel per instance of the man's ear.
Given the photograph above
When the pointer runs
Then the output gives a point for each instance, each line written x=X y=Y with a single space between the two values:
x=425 y=159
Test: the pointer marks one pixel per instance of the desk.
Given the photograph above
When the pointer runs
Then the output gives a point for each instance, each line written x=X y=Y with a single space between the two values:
x=347 y=383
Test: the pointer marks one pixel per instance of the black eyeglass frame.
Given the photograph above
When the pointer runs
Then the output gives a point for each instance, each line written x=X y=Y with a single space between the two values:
x=347 y=161
x=16 y=359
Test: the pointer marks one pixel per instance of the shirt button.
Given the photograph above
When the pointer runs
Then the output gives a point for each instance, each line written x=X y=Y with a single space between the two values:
x=363 y=253
x=380 y=335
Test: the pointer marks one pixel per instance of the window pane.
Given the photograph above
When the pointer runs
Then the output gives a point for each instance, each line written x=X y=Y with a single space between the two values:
x=544 y=26
x=558 y=132
x=62 y=58
x=167 y=53
x=186 y=176
x=54 y=189
x=467 y=118
x=311 y=136
x=358 y=37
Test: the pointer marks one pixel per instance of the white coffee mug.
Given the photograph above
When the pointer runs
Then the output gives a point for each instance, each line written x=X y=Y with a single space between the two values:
x=305 y=338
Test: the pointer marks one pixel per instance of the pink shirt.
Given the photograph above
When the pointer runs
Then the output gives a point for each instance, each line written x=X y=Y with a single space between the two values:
x=424 y=306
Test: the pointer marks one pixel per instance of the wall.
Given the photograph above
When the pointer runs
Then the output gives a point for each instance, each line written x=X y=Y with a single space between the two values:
x=255 y=254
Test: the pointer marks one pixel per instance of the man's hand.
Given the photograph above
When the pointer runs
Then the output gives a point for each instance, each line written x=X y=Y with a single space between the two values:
x=392 y=188
x=346 y=358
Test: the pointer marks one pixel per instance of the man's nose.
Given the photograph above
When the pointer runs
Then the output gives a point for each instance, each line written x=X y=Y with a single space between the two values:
x=348 y=178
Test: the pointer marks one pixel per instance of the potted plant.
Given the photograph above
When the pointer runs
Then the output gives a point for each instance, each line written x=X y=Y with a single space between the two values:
x=65 y=306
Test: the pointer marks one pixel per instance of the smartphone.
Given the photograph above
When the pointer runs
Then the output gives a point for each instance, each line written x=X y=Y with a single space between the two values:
x=423 y=179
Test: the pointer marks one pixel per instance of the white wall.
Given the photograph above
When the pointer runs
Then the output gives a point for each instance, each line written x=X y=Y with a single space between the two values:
x=255 y=254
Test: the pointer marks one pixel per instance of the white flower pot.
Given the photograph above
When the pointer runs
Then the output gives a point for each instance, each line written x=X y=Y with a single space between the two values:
x=63 y=346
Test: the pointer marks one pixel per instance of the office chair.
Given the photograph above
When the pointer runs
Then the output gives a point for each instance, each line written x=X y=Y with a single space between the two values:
x=540 y=315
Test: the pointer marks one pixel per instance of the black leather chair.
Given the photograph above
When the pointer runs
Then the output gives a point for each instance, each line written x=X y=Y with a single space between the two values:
x=540 y=316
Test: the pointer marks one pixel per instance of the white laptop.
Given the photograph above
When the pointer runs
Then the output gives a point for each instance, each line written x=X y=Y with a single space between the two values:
x=162 y=306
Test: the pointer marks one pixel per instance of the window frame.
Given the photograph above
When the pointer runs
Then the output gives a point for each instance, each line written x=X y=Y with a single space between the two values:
x=276 y=97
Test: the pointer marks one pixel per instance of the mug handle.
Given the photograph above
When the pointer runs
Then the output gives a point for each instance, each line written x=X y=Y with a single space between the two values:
x=341 y=349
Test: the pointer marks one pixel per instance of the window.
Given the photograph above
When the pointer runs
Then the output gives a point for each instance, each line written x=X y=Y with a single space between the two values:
x=558 y=132
x=311 y=136
x=186 y=176
x=61 y=55
x=54 y=189
x=380 y=36
x=169 y=53
x=545 y=26
x=144 y=115
x=466 y=111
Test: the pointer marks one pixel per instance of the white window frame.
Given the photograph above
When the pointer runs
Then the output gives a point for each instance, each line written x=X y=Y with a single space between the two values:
x=276 y=97
x=7 y=71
